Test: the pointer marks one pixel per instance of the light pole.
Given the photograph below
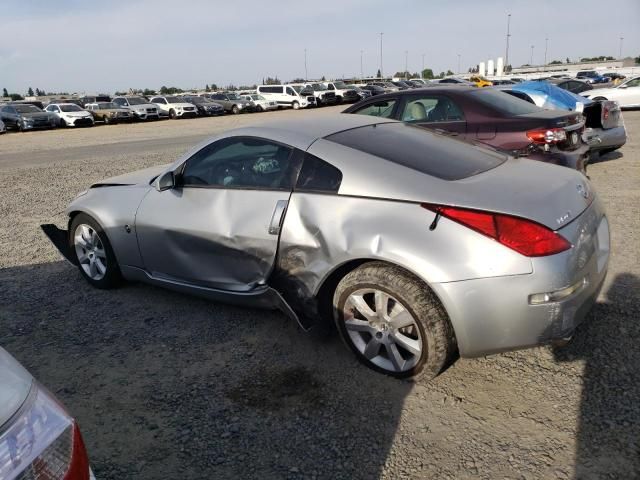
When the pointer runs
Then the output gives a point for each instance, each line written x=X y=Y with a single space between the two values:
x=531 y=61
x=406 y=64
x=620 y=52
x=381 y=74
x=306 y=75
x=458 y=63
x=422 y=71
x=361 y=71
x=506 y=54
x=546 y=46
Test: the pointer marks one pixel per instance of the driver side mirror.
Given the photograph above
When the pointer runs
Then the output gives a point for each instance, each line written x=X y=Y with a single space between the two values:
x=166 y=181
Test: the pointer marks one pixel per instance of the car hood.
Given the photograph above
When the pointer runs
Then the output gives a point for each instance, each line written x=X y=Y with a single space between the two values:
x=181 y=105
x=35 y=115
x=143 y=106
x=139 y=177
x=112 y=110
x=15 y=384
x=599 y=92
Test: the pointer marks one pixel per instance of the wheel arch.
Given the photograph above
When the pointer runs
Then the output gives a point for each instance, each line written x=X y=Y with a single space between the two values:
x=327 y=286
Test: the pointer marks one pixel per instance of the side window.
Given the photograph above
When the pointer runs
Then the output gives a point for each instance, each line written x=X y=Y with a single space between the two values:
x=431 y=109
x=382 y=108
x=241 y=162
x=318 y=176
x=290 y=91
x=118 y=101
x=331 y=87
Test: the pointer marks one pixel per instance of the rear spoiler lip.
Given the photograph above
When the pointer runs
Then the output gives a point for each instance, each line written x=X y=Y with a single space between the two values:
x=60 y=239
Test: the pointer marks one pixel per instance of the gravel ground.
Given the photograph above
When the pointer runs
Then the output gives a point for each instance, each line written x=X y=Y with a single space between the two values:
x=166 y=386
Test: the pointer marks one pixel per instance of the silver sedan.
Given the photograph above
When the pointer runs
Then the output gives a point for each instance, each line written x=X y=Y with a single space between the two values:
x=415 y=244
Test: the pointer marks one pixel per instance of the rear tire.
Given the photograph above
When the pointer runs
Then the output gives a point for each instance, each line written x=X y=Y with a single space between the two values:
x=413 y=336
x=235 y=110
x=96 y=261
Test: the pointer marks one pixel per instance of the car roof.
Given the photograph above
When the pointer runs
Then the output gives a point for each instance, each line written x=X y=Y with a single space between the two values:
x=301 y=133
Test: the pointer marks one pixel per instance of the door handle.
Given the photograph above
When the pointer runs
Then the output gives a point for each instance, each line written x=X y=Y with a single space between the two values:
x=277 y=217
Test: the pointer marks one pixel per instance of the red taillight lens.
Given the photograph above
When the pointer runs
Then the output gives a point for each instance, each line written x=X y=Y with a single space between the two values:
x=547 y=135
x=43 y=443
x=524 y=236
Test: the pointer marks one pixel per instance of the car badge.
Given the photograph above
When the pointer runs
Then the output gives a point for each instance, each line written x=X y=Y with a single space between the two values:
x=583 y=190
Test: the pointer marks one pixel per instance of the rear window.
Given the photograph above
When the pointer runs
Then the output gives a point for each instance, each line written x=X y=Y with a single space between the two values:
x=421 y=150
x=503 y=102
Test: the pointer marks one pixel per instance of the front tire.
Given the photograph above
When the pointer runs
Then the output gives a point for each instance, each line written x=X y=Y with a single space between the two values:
x=295 y=106
x=235 y=110
x=392 y=321
x=172 y=114
x=96 y=260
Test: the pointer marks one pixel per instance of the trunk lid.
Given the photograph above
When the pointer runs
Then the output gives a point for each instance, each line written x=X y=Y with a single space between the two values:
x=550 y=195
x=15 y=384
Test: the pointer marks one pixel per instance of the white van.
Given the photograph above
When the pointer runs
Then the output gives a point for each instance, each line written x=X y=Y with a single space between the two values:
x=287 y=96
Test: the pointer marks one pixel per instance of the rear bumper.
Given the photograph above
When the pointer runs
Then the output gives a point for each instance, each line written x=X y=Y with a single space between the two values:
x=491 y=315
x=601 y=139
x=576 y=159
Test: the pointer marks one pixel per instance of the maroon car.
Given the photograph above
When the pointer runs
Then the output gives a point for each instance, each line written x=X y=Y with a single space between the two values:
x=488 y=116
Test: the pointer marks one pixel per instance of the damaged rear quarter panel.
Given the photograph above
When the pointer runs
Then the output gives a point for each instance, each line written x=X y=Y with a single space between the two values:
x=322 y=232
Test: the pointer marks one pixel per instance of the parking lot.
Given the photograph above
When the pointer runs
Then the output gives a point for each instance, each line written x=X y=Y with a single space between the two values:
x=166 y=386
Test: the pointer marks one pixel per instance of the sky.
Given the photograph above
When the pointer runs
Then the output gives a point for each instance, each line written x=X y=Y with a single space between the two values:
x=89 y=46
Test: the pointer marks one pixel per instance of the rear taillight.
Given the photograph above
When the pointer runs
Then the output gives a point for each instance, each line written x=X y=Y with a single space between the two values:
x=524 y=236
x=43 y=443
x=547 y=135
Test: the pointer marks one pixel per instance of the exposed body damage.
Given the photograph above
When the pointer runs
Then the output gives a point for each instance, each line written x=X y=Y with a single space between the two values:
x=287 y=248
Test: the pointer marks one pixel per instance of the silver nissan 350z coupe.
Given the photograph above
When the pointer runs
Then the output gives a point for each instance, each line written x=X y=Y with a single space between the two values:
x=415 y=243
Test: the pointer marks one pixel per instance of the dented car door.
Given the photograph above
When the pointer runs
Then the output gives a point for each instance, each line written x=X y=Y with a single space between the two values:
x=219 y=226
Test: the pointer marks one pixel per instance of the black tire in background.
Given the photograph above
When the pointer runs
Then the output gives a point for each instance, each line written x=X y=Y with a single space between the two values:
x=435 y=331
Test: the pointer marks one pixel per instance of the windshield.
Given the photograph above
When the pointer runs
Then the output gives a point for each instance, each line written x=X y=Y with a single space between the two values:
x=26 y=108
x=257 y=97
x=632 y=82
x=341 y=85
x=70 y=108
x=136 y=101
x=503 y=102
x=107 y=106
x=174 y=100
x=318 y=86
x=233 y=96
x=196 y=100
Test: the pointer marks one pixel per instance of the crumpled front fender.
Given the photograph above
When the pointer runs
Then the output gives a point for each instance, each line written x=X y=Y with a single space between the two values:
x=60 y=239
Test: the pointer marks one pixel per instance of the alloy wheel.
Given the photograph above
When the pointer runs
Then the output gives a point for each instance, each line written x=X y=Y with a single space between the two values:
x=90 y=251
x=383 y=330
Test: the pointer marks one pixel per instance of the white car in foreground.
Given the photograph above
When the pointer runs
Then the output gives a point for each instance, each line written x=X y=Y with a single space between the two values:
x=260 y=103
x=174 y=107
x=627 y=94
x=70 y=115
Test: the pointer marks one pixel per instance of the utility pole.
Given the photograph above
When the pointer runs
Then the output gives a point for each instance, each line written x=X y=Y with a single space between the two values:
x=406 y=64
x=531 y=61
x=458 y=63
x=381 y=74
x=506 y=55
x=361 y=70
x=620 y=52
x=546 y=46
x=422 y=71
x=306 y=75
